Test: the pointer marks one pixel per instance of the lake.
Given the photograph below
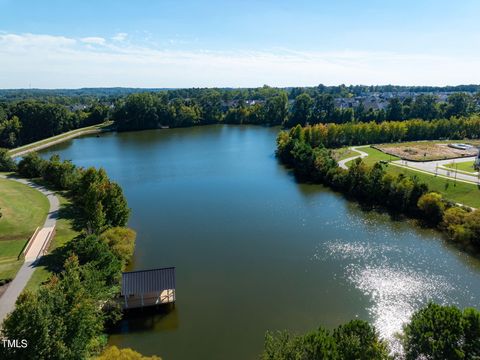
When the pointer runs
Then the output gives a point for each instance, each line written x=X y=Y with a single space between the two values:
x=256 y=251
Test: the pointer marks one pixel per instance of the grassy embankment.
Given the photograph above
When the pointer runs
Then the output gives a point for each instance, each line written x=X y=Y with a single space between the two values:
x=62 y=137
x=456 y=191
x=23 y=210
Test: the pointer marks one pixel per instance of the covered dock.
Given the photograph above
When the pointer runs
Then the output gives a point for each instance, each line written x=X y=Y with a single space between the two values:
x=148 y=287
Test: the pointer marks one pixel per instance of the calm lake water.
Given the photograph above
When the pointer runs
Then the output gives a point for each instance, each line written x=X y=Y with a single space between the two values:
x=255 y=251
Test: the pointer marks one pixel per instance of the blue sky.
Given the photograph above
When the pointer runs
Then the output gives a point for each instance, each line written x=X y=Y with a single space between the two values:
x=188 y=43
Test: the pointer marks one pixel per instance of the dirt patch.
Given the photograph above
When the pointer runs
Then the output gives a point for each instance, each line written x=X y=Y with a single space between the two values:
x=427 y=150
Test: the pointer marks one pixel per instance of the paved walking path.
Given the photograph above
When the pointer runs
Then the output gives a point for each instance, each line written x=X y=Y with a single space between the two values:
x=15 y=288
x=437 y=168
x=361 y=154
x=55 y=140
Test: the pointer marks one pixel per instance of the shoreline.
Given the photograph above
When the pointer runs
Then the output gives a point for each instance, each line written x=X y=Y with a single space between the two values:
x=57 y=139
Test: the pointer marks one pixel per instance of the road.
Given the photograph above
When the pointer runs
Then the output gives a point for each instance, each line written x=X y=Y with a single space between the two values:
x=361 y=154
x=15 y=288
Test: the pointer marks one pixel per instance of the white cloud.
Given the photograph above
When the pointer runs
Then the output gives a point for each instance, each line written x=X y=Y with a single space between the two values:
x=13 y=42
x=55 y=61
x=121 y=36
x=94 y=40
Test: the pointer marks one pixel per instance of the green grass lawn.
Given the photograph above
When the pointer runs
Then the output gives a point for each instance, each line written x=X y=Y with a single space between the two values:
x=23 y=210
x=343 y=153
x=64 y=233
x=467 y=194
x=459 y=192
x=374 y=156
x=462 y=166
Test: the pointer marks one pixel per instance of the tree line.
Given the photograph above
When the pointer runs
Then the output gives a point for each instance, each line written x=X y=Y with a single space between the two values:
x=86 y=95
x=154 y=110
x=100 y=200
x=433 y=332
x=338 y=135
x=372 y=184
x=320 y=108
x=27 y=121
x=66 y=317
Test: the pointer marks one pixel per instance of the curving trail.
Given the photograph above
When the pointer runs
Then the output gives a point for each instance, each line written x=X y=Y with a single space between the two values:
x=15 y=288
x=361 y=154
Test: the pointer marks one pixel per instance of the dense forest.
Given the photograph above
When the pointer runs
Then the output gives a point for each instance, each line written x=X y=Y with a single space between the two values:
x=246 y=93
x=149 y=110
x=30 y=115
x=27 y=121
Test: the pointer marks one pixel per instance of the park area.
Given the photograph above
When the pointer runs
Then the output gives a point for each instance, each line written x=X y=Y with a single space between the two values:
x=429 y=150
x=456 y=191
x=22 y=210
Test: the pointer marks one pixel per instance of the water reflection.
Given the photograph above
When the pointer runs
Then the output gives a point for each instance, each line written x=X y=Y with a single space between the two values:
x=155 y=318
x=395 y=279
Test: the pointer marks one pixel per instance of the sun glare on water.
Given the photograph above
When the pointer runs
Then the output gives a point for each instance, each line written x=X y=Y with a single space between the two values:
x=395 y=290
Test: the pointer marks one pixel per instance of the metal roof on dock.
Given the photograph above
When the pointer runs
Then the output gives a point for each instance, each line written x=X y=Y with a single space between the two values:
x=148 y=281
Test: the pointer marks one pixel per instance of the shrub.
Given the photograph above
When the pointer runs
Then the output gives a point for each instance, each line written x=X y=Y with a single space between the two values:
x=31 y=166
x=432 y=207
x=121 y=241
x=6 y=161
x=114 y=353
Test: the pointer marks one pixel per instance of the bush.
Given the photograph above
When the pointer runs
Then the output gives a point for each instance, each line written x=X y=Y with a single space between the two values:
x=31 y=166
x=356 y=340
x=432 y=207
x=121 y=241
x=97 y=254
x=114 y=353
x=6 y=161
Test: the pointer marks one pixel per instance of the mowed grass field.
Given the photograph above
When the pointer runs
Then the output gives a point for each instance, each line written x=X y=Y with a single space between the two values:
x=459 y=192
x=462 y=166
x=374 y=156
x=23 y=209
